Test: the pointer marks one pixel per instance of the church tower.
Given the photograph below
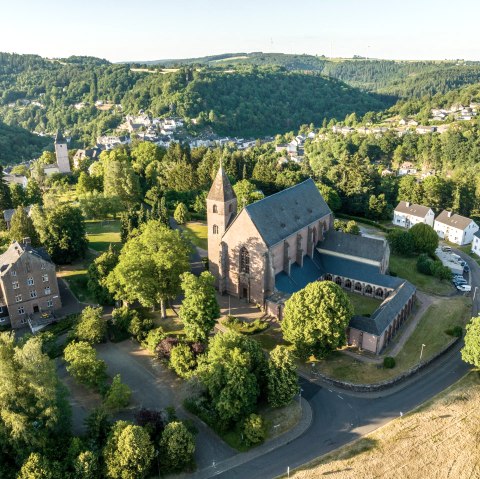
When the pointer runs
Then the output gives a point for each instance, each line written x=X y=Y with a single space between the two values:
x=221 y=209
x=61 y=153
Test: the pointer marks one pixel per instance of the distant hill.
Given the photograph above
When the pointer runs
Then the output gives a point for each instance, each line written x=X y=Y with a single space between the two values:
x=44 y=95
x=18 y=144
x=396 y=78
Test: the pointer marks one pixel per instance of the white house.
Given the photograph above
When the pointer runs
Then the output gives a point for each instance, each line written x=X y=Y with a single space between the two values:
x=407 y=214
x=455 y=228
x=476 y=243
x=407 y=168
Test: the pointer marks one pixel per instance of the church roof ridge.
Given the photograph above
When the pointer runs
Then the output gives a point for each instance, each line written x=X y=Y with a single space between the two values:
x=282 y=214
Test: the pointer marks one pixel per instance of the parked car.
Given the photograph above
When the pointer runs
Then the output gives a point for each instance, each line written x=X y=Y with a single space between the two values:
x=456 y=257
x=446 y=249
x=458 y=281
x=465 y=288
x=466 y=268
x=462 y=263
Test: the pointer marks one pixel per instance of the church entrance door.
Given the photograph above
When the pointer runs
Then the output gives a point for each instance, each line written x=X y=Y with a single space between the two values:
x=244 y=292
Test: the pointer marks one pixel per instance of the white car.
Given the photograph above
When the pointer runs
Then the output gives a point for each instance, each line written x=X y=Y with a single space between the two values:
x=464 y=288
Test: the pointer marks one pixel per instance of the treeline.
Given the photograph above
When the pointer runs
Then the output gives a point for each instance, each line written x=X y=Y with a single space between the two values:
x=402 y=79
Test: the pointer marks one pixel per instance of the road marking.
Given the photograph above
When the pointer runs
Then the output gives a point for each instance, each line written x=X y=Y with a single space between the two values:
x=349 y=405
x=330 y=391
x=339 y=396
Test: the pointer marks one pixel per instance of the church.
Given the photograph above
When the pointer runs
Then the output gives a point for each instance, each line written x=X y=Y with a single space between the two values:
x=276 y=246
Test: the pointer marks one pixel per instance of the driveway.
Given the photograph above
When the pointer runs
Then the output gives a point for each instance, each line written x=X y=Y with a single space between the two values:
x=156 y=387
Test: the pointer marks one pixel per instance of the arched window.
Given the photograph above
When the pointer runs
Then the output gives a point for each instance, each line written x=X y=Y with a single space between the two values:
x=348 y=284
x=244 y=261
x=328 y=277
x=368 y=289
x=215 y=229
x=215 y=209
x=338 y=280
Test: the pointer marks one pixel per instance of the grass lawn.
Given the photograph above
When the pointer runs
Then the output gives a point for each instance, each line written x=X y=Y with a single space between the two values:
x=198 y=232
x=430 y=331
x=170 y=324
x=437 y=440
x=101 y=234
x=406 y=268
x=75 y=275
x=363 y=305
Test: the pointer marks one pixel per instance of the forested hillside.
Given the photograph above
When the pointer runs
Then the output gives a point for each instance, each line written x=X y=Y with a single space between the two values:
x=396 y=78
x=252 y=103
x=40 y=95
x=18 y=144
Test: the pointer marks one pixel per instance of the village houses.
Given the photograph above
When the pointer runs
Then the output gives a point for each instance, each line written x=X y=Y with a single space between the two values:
x=407 y=214
x=455 y=228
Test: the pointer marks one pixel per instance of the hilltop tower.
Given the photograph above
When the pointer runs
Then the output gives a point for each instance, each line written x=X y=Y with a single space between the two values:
x=221 y=209
x=61 y=153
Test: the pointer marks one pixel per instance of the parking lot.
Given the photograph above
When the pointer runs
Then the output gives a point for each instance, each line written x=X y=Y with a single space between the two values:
x=458 y=267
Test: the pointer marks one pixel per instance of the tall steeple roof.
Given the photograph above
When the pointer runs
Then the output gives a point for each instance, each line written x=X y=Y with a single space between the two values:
x=59 y=138
x=221 y=189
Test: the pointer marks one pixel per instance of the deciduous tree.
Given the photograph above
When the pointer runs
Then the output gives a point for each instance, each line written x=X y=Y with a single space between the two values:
x=282 y=378
x=129 y=452
x=199 y=308
x=471 y=350
x=91 y=328
x=150 y=266
x=315 y=319
x=177 y=447
x=83 y=364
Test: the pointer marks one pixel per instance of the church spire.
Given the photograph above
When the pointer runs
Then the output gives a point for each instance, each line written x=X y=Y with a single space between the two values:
x=221 y=189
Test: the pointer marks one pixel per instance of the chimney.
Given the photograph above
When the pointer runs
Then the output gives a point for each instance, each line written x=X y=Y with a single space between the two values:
x=408 y=204
x=27 y=240
x=449 y=214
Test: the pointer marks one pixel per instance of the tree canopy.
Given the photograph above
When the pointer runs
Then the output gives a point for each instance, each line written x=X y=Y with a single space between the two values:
x=315 y=319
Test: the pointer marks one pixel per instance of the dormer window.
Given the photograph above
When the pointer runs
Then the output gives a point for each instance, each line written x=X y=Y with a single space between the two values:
x=215 y=209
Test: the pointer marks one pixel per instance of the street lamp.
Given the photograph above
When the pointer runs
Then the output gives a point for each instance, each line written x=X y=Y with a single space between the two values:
x=421 y=352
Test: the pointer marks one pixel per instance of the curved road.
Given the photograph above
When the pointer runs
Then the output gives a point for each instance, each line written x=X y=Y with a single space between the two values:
x=340 y=417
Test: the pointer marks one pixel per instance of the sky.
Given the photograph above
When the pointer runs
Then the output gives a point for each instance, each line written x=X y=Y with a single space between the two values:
x=136 y=30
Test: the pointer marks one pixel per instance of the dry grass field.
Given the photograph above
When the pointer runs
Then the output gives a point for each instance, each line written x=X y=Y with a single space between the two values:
x=439 y=440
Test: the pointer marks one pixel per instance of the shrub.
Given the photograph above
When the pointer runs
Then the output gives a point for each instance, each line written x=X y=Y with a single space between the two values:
x=388 y=362
x=245 y=327
x=253 y=430
x=118 y=395
x=154 y=336
x=182 y=361
x=425 y=264
x=456 y=331
x=153 y=421
x=165 y=346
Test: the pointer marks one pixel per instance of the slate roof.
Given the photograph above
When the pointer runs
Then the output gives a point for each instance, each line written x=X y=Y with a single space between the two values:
x=16 y=249
x=384 y=315
x=282 y=214
x=455 y=221
x=7 y=214
x=299 y=277
x=477 y=234
x=221 y=189
x=355 y=270
x=412 y=209
x=59 y=138
x=353 y=245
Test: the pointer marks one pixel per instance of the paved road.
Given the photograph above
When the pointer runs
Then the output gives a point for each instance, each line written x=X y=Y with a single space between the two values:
x=340 y=417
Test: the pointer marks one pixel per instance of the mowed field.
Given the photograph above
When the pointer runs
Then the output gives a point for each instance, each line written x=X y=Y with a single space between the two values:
x=437 y=441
